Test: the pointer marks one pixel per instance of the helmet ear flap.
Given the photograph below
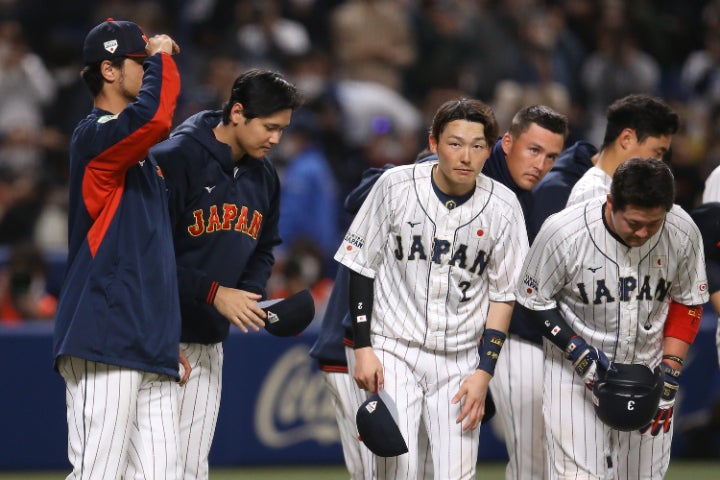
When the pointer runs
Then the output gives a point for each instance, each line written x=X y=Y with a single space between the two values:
x=628 y=396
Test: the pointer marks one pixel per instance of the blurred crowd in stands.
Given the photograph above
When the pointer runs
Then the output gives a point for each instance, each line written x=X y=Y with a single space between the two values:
x=371 y=71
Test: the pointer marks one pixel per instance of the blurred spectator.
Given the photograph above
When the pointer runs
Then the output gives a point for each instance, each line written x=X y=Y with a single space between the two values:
x=308 y=191
x=26 y=86
x=373 y=41
x=618 y=67
x=264 y=38
x=23 y=294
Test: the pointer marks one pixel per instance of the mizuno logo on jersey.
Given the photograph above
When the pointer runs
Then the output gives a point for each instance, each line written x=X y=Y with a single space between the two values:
x=440 y=253
x=594 y=269
x=210 y=188
x=629 y=289
x=354 y=240
x=231 y=218
x=413 y=224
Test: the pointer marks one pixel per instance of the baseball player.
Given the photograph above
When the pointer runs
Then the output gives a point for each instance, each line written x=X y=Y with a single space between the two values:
x=638 y=125
x=333 y=351
x=519 y=160
x=224 y=197
x=435 y=251
x=711 y=194
x=621 y=279
x=118 y=317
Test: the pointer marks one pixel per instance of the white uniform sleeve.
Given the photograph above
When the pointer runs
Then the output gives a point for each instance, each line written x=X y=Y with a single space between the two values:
x=362 y=248
x=506 y=261
x=690 y=287
x=543 y=272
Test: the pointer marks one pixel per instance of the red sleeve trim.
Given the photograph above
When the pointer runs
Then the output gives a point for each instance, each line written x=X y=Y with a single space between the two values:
x=348 y=342
x=333 y=368
x=211 y=294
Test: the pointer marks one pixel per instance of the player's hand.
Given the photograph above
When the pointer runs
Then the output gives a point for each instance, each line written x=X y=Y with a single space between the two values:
x=589 y=362
x=184 y=368
x=663 y=417
x=162 y=43
x=474 y=392
x=240 y=308
x=368 y=372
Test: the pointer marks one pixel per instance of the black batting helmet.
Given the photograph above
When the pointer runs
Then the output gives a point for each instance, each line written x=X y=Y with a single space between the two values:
x=628 y=397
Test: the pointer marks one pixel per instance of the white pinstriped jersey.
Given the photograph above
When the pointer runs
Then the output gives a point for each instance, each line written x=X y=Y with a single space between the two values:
x=593 y=183
x=435 y=269
x=614 y=296
x=712 y=187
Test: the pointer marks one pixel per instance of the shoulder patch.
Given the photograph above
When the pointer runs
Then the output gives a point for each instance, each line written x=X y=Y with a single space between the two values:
x=107 y=118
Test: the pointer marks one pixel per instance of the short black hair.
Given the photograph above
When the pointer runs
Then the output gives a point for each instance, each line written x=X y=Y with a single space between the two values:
x=541 y=115
x=465 y=109
x=261 y=93
x=644 y=183
x=649 y=116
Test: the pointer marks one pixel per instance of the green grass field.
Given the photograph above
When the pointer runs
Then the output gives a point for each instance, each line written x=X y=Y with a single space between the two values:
x=679 y=470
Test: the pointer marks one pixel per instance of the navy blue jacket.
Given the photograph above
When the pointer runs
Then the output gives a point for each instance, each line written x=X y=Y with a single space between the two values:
x=225 y=221
x=119 y=301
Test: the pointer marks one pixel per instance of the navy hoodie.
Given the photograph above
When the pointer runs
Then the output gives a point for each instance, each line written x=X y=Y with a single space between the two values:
x=225 y=221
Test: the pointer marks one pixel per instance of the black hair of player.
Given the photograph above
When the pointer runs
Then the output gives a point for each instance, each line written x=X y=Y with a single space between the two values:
x=94 y=79
x=261 y=94
x=648 y=116
x=643 y=183
x=465 y=109
x=541 y=115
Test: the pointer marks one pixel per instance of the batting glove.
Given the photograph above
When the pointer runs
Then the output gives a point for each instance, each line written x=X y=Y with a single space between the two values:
x=663 y=417
x=589 y=362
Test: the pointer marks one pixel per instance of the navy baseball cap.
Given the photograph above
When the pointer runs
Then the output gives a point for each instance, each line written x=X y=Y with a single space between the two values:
x=112 y=39
x=290 y=316
x=376 y=421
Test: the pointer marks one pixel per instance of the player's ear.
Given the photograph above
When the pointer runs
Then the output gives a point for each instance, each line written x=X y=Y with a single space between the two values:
x=627 y=138
x=432 y=143
x=236 y=113
x=609 y=202
x=507 y=141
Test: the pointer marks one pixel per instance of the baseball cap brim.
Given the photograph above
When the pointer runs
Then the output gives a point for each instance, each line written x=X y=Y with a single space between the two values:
x=289 y=317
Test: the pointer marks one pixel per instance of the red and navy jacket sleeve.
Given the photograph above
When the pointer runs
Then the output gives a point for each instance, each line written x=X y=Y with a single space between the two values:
x=138 y=127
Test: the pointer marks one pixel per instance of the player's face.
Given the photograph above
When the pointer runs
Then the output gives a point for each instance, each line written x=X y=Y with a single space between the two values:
x=634 y=225
x=256 y=137
x=651 y=147
x=462 y=152
x=131 y=75
x=531 y=156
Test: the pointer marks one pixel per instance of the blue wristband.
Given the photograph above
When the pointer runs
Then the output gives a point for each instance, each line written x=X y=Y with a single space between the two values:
x=490 y=345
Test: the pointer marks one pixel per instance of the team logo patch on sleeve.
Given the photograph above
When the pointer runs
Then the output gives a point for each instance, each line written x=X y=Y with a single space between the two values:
x=355 y=240
x=702 y=287
x=555 y=330
x=107 y=118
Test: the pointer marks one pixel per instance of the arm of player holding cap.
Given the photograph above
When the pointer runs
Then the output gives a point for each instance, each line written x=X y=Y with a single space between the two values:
x=474 y=389
x=588 y=361
x=368 y=372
